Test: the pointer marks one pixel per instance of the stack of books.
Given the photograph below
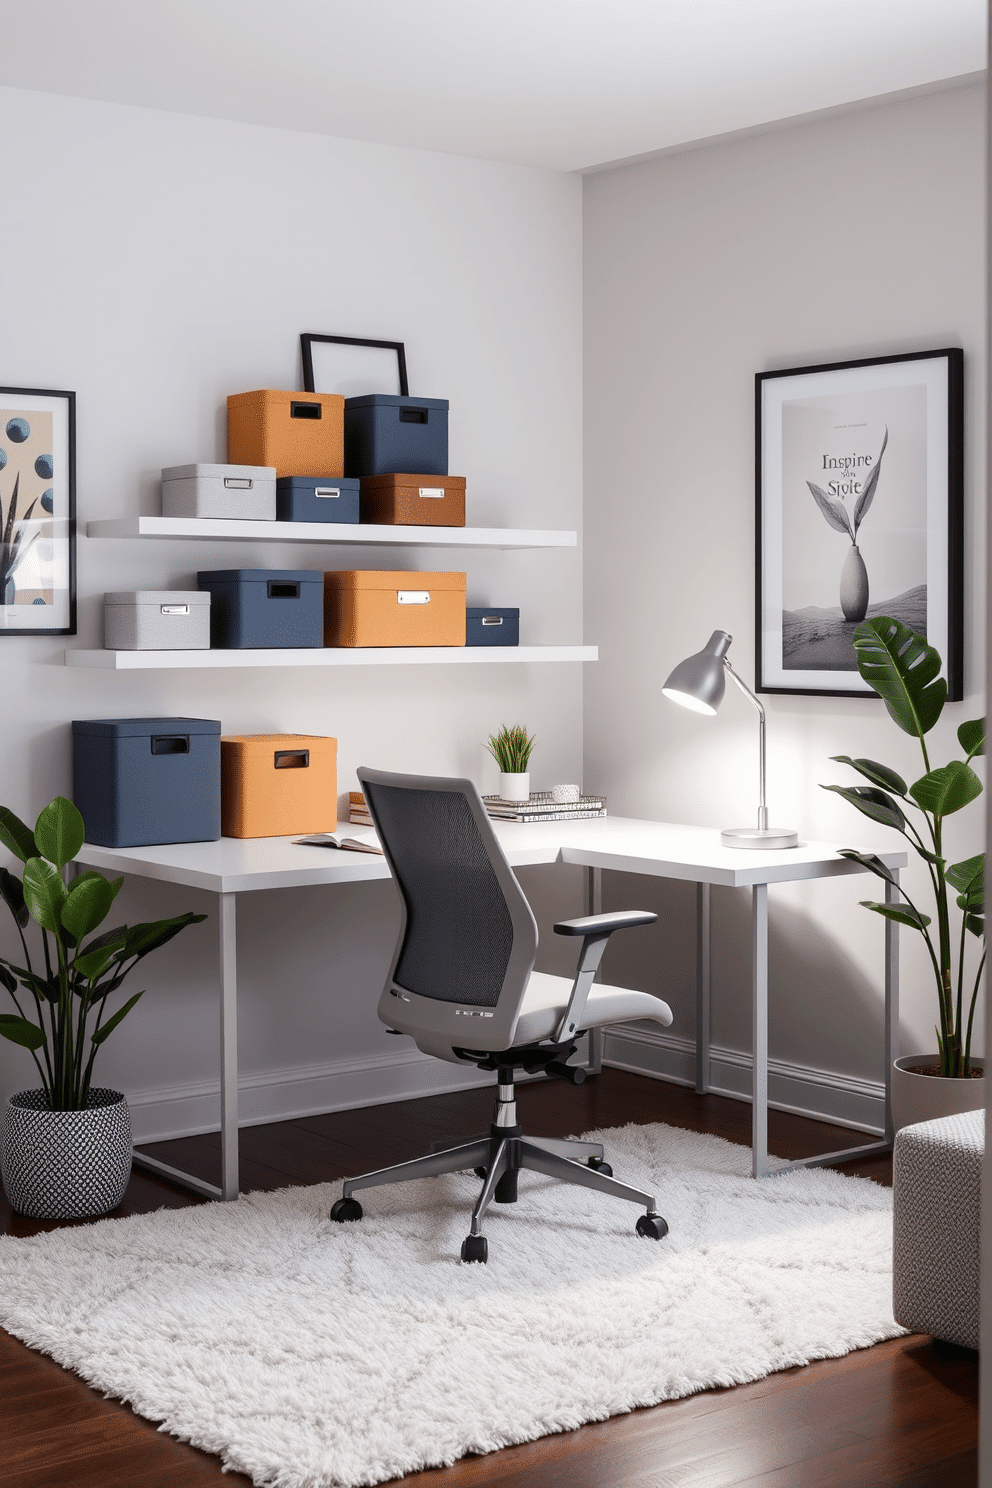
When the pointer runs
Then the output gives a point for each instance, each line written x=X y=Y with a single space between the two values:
x=543 y=807
x=359 y=812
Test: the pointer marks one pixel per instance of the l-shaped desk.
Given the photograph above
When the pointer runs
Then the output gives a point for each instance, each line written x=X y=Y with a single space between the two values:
x=232 y=866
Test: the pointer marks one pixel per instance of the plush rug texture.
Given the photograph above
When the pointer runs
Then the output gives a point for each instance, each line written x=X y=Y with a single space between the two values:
x=309 y=1354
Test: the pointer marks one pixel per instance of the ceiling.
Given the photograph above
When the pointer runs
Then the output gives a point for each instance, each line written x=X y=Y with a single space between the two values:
x=566 y=84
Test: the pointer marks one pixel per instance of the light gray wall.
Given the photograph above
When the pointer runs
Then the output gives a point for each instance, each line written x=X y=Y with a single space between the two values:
x=855 y=236
x=155 y=263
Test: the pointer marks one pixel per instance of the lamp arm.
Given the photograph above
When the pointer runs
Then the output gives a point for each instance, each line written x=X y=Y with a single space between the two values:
x=762 y=808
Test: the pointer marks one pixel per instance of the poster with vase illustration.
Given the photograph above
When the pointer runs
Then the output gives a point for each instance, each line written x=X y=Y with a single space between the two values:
x=859 y=513
x=37 y=512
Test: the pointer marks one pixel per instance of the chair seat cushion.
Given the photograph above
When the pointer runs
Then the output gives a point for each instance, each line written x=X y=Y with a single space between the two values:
x=546 y=998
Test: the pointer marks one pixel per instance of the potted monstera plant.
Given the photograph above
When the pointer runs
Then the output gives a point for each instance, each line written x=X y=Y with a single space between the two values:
x=65 y=1149
x=905 y=672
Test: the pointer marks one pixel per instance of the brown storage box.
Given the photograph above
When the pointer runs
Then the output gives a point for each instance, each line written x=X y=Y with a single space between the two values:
x=298 y=433
x=414 y=500
x=367 y=608
x=272 y=785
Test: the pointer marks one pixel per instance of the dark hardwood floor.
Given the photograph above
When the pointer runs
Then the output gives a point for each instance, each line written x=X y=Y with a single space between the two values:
x=900 y=1415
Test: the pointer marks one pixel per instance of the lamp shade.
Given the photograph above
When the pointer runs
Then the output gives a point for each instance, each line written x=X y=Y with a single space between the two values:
x=700 y=681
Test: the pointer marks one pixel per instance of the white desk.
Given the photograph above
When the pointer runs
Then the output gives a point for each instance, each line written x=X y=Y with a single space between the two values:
x=658 y=849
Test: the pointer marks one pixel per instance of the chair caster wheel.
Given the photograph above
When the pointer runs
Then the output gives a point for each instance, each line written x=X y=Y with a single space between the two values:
x=345 y=1209
x=475 y=1248
x=480 y=1172
x=599 y=1165
x=653 y=1226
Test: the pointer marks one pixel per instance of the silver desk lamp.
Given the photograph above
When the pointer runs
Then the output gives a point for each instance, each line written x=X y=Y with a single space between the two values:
x=699 y=683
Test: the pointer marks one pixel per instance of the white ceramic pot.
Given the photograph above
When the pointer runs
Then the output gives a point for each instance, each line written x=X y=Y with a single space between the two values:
x=514 y=787
x=65 y=1164
x=926 y=1097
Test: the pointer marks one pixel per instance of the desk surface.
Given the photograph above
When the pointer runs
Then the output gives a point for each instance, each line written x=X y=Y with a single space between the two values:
x=661 y=849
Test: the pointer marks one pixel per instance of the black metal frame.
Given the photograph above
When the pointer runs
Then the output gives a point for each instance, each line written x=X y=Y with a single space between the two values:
x=954 y=657
x=70 y=398
x=308 y=338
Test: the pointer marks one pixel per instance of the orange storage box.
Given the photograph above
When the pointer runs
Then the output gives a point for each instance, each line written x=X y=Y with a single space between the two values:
x=298 y=433
x=272 y=785
x=414 y=500
x=364 y=607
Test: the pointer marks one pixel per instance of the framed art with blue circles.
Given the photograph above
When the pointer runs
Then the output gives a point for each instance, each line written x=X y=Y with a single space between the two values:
x=37 y=512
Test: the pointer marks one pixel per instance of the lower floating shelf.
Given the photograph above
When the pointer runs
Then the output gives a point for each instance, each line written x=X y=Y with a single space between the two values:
x=142 y=661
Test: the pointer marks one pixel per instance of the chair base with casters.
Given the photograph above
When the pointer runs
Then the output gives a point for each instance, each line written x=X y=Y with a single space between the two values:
x=498 y=1155
x=462 y=985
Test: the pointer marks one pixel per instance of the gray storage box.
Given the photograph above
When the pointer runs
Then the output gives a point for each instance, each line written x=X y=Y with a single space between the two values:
x=157 y=620
x=245 y=492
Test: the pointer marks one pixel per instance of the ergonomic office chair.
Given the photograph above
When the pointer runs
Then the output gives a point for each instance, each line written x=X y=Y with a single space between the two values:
x=462 y=984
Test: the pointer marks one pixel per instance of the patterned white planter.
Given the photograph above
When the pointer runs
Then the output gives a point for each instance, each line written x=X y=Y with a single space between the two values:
x=65 y=1164
x=929 y=1097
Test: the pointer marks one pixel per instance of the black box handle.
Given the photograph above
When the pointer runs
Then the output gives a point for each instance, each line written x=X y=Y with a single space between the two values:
x=292 y=759
x=414 y=415
x=283 y=589
x=305 y=410
x=170 y=744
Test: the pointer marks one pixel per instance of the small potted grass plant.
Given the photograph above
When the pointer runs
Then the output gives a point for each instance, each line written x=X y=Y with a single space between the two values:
x=65 y=1148
x=511 y=748
x=905 y=672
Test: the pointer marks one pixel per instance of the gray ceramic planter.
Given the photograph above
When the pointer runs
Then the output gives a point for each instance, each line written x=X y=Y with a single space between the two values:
x=65 y=1164
x=927 y=1097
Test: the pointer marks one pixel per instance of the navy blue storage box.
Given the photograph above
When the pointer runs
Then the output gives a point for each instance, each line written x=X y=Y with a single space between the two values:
x=307 y=498
x=139 y=781
x=492 y=627
x=383 y=434
x=264 y=608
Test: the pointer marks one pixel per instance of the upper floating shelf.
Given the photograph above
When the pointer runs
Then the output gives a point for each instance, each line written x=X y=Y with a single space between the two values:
x=363 y=535
x=316 y=656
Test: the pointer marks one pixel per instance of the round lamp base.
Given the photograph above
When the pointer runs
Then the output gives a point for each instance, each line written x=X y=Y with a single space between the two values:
x=759 y=838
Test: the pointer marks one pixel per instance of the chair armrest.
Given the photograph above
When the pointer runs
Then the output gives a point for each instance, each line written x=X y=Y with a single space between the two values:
x=623 y=919
x=596 y=931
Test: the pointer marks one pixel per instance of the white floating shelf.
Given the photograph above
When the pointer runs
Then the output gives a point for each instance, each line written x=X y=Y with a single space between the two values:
x=364 y=535
x=139 y=661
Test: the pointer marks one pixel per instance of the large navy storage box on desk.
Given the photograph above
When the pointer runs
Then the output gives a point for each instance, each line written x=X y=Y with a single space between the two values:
x=264 y=608
x=306 y=498
x=383 y=433
x=138 y=781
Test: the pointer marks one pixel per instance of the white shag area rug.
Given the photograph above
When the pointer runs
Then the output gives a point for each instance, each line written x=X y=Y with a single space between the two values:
x=308 y=1354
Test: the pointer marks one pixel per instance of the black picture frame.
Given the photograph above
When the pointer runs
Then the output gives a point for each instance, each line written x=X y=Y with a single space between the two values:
x=37 y=512
x=308 y=338
x=838 y=420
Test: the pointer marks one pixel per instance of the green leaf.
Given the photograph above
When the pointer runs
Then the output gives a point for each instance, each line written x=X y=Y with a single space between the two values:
x=903 y=914
x=107 y=1028
x=13 y=896
x=115 y=938
x=94 y=963
x=59 y=832
x=16 y=836
x=44 y=893
x=878 y=774
x=7 y=980
x=946 y=789
x=971 y=737
x=904 y=670
x=873 y=803
x=41 y=986
x=968 y=874
x=871 y=861
x=976 y=924
x=87 y=904
x=142 y=939
x=20 y=1031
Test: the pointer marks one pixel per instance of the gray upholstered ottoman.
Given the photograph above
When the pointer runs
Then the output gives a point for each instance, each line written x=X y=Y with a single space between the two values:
x=937 y=1203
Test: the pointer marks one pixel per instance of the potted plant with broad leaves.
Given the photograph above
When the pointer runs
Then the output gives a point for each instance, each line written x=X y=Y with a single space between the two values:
x=904 y=671
x=65 y=1150
x=511 y=748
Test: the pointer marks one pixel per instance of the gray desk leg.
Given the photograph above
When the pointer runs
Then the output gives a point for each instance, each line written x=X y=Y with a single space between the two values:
x=759 y=1031
x=594 y=905
x=891 y=1001
x=703 y=983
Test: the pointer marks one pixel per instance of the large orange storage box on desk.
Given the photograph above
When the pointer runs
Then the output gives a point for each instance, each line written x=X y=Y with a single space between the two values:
x=298 y=433
x=364 y=607
x=272 y=785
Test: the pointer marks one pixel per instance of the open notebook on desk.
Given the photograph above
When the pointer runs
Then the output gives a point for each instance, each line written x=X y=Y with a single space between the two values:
x=367 y=843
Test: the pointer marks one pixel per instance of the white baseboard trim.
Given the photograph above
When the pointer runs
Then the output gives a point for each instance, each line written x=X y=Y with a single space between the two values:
x=796 y=1088
x=159 y=1115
